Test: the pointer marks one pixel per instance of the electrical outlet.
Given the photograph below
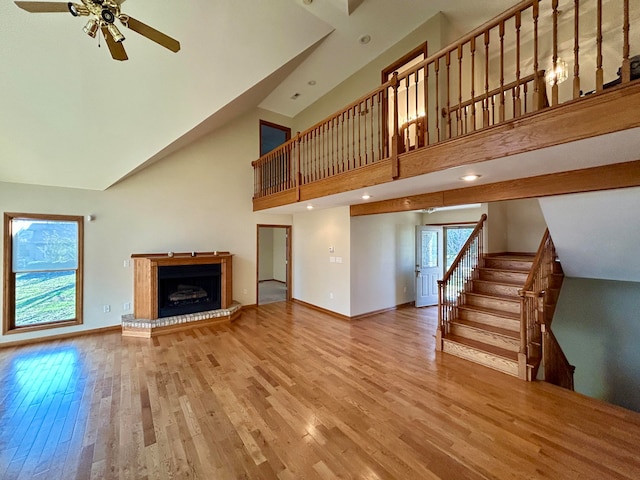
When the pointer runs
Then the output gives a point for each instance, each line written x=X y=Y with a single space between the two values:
x=126 y=263
x=126 y=306
x=245 y=291
x=106 y=308
x=330 y=295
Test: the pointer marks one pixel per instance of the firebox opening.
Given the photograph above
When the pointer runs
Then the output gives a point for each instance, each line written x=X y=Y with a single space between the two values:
x=188 y=289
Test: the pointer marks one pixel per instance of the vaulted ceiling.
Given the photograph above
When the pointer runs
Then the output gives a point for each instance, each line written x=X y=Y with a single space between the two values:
x=73 y=117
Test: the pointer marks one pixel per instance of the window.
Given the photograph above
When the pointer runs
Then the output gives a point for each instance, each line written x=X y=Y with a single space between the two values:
x=42 y=271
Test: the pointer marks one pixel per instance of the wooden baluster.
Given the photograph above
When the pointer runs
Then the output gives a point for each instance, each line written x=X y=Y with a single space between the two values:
x=599 y=71
x=501 y=108
x=359 y=135
x=427 y=140
x=473 y=83
x=298 y=177
x=554 y=87
x=576 y=49
x=381 y=139
x=332 y=162
x=448 y=64
x=625 y=73
x=395 y=171
x=417 y=108
x=538 y=94
x=525 y=92
x=437 y=117
x=485 y=107
x=460 y=124
x=406 y=136
x=517 y=104
x=353 y=138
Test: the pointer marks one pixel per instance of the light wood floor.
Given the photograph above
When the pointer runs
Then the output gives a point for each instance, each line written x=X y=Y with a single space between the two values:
x=289 y=393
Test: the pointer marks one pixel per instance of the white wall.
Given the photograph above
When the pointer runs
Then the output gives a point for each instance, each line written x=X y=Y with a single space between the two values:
x=382 y=261
x=199 y=198
x=316 y=280
x=597 y=323
x=265 y=254
x=280 y=254
x=369 y=77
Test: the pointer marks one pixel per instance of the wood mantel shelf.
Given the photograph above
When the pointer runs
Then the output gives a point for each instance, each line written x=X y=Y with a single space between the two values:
x=145 y=321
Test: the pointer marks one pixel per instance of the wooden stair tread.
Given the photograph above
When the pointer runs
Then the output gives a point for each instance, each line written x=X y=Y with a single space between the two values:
x=497 y=351
x=506 y=270
x=488 y=328
x=514 y=256
x=490 y=311
x=500 y=282
x=509 y=298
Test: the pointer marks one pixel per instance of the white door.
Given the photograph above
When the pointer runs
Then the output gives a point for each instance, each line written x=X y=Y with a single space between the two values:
x=429 y=255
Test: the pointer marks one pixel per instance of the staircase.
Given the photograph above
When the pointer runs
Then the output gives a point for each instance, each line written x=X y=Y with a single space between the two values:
x=486 y=327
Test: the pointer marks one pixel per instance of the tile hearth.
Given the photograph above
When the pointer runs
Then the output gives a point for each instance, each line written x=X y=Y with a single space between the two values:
x=138 y=327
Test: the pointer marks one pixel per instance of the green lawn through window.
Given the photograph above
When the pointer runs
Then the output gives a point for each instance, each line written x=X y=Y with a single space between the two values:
x=43 y=297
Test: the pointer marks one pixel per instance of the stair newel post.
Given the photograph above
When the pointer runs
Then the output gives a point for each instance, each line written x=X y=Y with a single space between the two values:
x=395 y=170
x=441 y=315
x=522 y=353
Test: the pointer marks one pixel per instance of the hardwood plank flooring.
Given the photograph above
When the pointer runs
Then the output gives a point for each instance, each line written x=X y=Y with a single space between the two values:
x=287 y=392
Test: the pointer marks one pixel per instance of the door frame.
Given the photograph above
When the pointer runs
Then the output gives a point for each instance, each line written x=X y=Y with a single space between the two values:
x=287 y=257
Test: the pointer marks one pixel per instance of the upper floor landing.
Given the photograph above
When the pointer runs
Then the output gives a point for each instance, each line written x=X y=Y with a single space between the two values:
x=545 y=88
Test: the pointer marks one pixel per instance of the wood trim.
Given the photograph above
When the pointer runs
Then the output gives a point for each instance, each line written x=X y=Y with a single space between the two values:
x=145 y=274
x=61 y=336
x=8 y=320
x=331 y=313
x=374 y=174
x=286 y=130
x=285 y=197
x=387 y=72
x=289 y=270
x=607 y=177
x=383 y=310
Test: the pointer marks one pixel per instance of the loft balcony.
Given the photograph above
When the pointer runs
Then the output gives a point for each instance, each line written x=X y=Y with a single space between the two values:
x=536 y=76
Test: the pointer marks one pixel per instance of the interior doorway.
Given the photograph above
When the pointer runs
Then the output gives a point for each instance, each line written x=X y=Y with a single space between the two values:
x=273 y=264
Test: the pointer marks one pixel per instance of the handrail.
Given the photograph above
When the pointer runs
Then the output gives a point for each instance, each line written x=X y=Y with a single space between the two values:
x=465 y=247
x=451 y=287
x=471 y=81
x=557 y=369
x=538 y=299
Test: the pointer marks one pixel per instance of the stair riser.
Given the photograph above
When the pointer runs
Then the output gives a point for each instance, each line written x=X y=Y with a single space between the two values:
x=488 y=319
x=503 y=276
x=493 y=303
x=507 y=264
x=496 y=289
x=483 y=358
x=508 y=343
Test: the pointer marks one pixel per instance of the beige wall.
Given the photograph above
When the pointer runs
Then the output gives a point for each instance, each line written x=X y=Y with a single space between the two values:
x=316 y=280
x=382 y=261
x=369 y=77
x=199 y=198
x=526 y=225
x=265 y=254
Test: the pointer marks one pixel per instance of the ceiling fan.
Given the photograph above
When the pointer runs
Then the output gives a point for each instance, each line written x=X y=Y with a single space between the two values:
x=103 y=14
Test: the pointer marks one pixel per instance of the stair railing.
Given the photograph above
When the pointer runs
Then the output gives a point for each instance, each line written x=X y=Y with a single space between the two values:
x=493 y=74
x=538 y=299
x=452 y=286
x=557 y=369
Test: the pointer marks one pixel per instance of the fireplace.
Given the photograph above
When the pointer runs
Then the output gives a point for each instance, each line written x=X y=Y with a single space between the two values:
x=184 y=289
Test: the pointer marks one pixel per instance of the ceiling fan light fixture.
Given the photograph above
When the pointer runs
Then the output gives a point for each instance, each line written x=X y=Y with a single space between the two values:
x=91 y=28
x=107 y=15
x=77 y=10
x=115 y=33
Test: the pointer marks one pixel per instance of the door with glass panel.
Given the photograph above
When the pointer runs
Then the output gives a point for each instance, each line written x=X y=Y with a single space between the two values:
x=429 y=268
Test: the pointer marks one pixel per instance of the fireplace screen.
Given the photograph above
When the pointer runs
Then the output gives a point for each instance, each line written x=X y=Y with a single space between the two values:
x=188 y=289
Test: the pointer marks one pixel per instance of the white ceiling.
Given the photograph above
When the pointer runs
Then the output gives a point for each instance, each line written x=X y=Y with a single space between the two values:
x=73 y=117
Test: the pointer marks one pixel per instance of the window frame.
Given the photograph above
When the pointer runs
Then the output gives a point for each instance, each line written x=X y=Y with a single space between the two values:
x=9 y=277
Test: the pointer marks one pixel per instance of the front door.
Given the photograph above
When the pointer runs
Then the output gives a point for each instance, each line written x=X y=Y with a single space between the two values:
x=429 y=255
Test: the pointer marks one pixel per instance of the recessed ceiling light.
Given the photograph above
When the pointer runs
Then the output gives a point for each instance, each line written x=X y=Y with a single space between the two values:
x=364 y=39
x=295 y=96
x=366 y=196
x=311 y=82
x=307 y=2
x=309 y=207
x=470 y=178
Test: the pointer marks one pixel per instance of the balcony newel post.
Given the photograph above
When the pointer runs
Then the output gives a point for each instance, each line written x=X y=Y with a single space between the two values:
x=441 y=307
x=395 y=168
x=298 y=177
x=522 y=353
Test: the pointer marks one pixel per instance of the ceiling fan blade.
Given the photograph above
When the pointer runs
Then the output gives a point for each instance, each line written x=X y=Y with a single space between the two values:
x=116 y=48
x=151 y=33
x=43 y=7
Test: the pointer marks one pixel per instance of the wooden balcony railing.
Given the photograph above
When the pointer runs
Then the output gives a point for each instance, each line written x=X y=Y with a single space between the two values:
x=492 y=75
x=538 y=299
x=453 y=283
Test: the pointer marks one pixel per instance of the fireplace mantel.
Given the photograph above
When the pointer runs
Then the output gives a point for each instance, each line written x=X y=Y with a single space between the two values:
x=145 y=319
x=145 y=274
